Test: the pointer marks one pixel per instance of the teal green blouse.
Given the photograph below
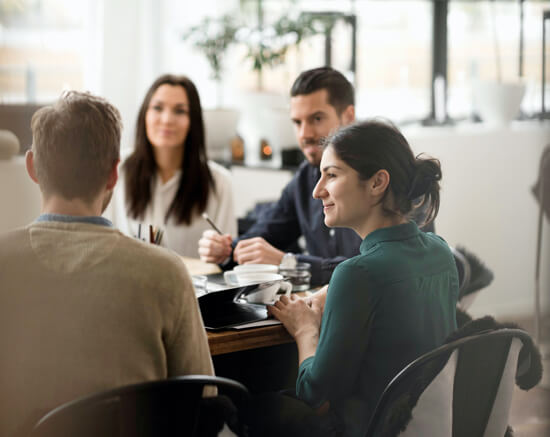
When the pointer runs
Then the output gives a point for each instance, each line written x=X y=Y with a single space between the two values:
x=385 y=307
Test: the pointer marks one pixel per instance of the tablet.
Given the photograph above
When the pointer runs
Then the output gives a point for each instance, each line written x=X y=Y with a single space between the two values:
x=222 y=310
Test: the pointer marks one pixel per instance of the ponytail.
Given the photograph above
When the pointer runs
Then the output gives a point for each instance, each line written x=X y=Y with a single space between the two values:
x=425 y=186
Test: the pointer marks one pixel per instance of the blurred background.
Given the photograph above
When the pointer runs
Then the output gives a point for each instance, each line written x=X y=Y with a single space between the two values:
x=390 y=50
x=465 y=79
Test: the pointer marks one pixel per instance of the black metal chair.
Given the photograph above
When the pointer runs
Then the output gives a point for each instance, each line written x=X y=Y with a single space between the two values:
x=463 y=388
x=541 y=191
x=169 y=407
x=473 y=276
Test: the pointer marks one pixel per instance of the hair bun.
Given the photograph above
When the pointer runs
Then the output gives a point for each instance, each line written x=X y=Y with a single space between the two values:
x=427 y=173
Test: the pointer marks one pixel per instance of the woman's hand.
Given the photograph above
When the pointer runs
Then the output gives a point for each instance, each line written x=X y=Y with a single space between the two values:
x=296 y=315
x=214 y=248
x=301 y=321
x=319 y=297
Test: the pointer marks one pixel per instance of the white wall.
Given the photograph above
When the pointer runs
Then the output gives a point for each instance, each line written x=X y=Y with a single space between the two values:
x=123 y=55
x=19 y=195
x=487 y=205
x=253 y=185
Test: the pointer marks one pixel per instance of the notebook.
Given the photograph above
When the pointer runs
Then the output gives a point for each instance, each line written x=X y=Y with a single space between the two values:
x=223 y=310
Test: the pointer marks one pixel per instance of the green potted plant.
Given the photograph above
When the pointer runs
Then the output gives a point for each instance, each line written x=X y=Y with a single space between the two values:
x=267 y=46
x=213 y=37
x=265 y=117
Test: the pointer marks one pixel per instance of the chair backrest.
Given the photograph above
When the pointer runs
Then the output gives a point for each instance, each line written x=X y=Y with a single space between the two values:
x=463 y=388
x=463 y=268
x=169 y=407
x=17 y=118
x=473 y=276
x=541 y=189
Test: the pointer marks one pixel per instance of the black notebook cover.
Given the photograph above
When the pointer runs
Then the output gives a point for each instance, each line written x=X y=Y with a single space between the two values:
x=222 y=309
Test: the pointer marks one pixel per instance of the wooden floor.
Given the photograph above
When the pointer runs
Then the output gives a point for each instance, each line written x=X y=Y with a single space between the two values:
x=530 y=413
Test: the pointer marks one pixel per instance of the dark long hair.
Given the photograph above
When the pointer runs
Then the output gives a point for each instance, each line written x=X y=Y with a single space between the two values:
x=373 y=145
x=192 y=195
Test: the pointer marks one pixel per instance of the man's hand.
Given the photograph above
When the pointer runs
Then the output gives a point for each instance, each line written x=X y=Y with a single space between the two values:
x=214 y=248
x=257 y=251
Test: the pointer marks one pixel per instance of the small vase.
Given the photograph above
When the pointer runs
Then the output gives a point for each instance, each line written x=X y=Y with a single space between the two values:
x=221 y=128
x=497 y=103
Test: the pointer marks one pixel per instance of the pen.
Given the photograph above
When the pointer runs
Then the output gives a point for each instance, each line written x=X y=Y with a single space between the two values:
x=158 y=237
x=211 y=223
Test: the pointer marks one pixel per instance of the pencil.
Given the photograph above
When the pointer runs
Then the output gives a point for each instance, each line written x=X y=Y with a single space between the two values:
x=211 y=223
x=158 y=236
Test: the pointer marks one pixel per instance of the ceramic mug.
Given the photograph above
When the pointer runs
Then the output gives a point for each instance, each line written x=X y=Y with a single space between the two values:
x=268 y=293
x=256 y=268
x=232 y=277
x=268 y=289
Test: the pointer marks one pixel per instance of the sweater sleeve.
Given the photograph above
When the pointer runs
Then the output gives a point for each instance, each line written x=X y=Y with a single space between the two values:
x=333 y=371
x=187 y=348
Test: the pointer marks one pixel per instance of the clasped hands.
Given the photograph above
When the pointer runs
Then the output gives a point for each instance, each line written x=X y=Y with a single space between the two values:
x=302 y=319
x=300 y=316
x=216 y=248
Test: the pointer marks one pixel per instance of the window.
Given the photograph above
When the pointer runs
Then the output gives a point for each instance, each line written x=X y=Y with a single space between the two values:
x=484 y=43
x=41 y=48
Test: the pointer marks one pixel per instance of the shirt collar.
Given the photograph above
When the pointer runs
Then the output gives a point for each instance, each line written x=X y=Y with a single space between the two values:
x=173 y=181
x=94 y=220
x=392 y=233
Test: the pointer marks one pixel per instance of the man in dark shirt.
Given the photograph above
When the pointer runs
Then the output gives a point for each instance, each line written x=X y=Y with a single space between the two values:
x=322 y=100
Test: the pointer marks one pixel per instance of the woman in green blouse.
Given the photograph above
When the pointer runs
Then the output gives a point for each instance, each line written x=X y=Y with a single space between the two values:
x=383 y=308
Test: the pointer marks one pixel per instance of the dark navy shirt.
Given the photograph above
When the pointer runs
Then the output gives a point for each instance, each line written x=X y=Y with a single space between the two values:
x=298 y=213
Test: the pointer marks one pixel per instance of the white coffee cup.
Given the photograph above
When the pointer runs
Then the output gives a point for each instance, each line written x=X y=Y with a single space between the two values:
x=269 y=286
x=232 y=277
x=256 y=268
x=268 y=293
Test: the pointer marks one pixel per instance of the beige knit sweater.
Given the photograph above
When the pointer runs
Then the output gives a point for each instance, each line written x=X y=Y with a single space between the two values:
x=84 y=308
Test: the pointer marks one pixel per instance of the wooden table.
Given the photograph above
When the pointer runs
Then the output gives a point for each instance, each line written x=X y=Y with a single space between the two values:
x=234 y=341
x=197 y=267
x=224 y=342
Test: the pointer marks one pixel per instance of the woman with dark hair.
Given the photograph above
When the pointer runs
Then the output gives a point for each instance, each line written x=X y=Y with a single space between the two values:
x=168 y=181
x=383 y=308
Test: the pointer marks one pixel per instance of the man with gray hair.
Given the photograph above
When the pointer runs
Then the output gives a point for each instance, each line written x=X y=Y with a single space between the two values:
x=84 y=308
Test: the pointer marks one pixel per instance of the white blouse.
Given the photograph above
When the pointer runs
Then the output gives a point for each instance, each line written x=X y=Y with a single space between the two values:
x=181 y=238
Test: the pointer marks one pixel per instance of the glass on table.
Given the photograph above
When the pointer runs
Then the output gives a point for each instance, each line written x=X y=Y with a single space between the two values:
x=299 y=276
